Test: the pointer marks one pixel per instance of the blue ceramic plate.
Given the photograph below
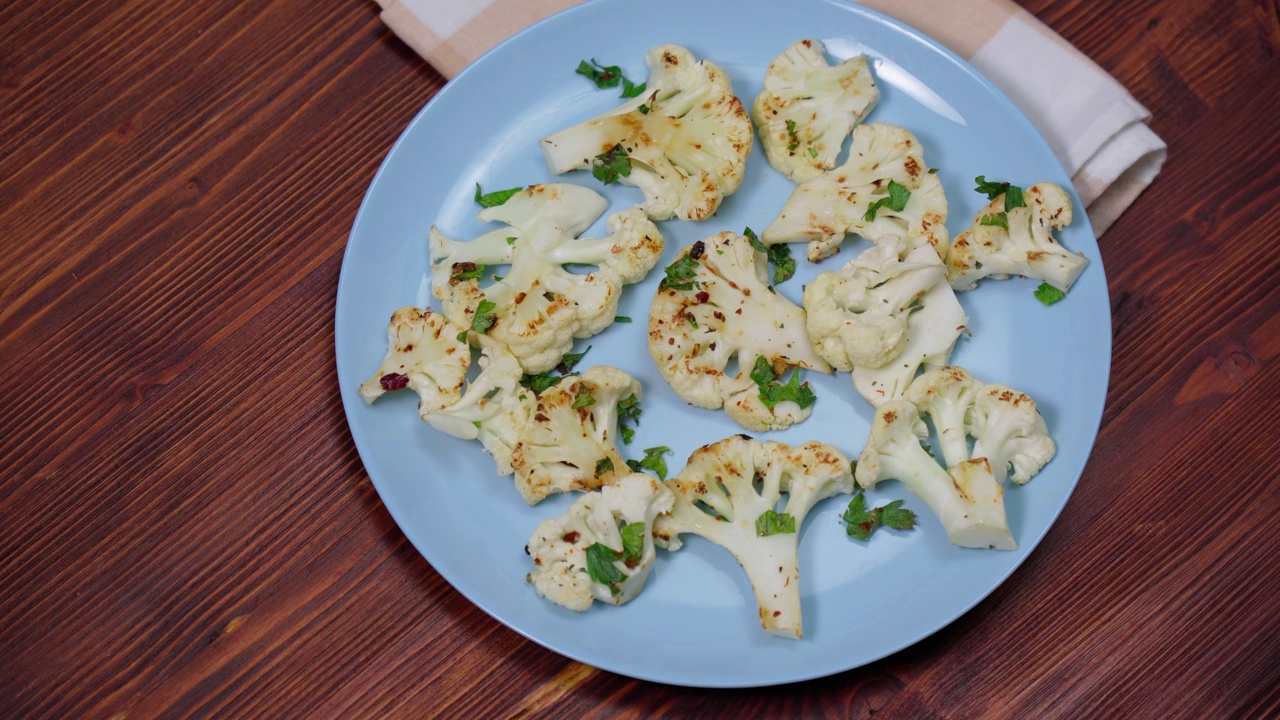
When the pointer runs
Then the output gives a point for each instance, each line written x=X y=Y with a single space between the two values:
x=695 y=623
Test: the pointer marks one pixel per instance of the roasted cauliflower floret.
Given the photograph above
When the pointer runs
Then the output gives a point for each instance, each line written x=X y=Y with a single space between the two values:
x=538 y=308
x=885 y=163
x=601 y=548
x=687 y=137
x=729 y=493
x=883 y=315
x=494 y=409
x=968 y=495
x=716 y=305
x=571 y=441
x=1019 y=241
x=808 y=108
x=423 y=354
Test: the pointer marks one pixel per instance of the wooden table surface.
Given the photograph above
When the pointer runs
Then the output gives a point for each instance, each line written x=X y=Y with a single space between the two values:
x=185 y=525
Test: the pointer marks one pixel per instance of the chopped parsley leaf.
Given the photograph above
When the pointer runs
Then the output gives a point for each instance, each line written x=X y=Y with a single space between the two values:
x=611 y=165
x=495 y=198
x=861 y=522
x=772 y=522
x=1049 y=294
x=632 y=543
x=1000 y=220
x=584 y=398
x=570 y=360
x=784 y=266
x=1012 y=193
x=653 y=461
x=605 y=465
x=681 y=274
x=896 y=201
x=607 y=77
x=772 y=392
x=484 y=318
x=600 y=567
x=466 y=271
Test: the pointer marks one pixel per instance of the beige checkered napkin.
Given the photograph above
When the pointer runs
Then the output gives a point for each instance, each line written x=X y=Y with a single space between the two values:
x=1095 y=127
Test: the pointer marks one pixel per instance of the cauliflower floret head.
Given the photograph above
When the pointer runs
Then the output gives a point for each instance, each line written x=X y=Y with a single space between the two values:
x=424 y=354
x=1020 y=241
x=687 y=137
x=716 y=306
x=494 y=408
x=884 y=161
x=1009 y=431
x=538 y=308
x=892 y=301
x=729 y=493
x=601 y=548
x=858 y=316
x=808 y=108
x=571 y=441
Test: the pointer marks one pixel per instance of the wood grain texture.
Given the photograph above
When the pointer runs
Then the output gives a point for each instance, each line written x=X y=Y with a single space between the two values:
x=185 y=526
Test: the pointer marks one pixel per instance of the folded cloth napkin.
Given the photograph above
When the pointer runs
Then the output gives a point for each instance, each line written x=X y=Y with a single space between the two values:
x=1095 y=127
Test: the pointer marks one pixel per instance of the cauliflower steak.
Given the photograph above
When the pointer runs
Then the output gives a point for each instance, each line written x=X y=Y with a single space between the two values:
x=967 y=495
x=808 y=108
x=886 y=163
x=601 y=548
x=715 y=306
x=1018 y=241
x=729 y=493
x=687 y=137
x=538 y=308
x=883 y=315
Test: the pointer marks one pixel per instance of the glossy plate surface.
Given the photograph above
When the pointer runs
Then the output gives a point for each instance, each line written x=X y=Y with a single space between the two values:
x=861 y=601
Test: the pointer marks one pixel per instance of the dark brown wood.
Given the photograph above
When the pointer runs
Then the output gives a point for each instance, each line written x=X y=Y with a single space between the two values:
x=185 y=526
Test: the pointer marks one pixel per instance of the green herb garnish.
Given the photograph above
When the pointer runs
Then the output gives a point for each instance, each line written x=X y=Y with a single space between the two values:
x=540 y=382
x=653 y=461
x=681 y=274
x=484 y=318
x=496 y=198
x=600 y=567
x=1012 y=193
x=772 y=392
x=466 y=271
x=862 y=522
x=569 y=360
x=1049 y=294
x=791 y=134
x=584 y=398
x=896 y=201
x=621 y=318
x=1000 y=220
x=607 y=77
x=628 y=409
x=632 y=543
x=605 y=465
x=771 y=522
x=611 y=165
x=784 y=266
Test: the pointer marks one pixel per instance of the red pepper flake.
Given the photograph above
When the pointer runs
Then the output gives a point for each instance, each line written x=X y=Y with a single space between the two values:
x=394 y=381
x=703 y=296
x=697 y=250
x=572 y=536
